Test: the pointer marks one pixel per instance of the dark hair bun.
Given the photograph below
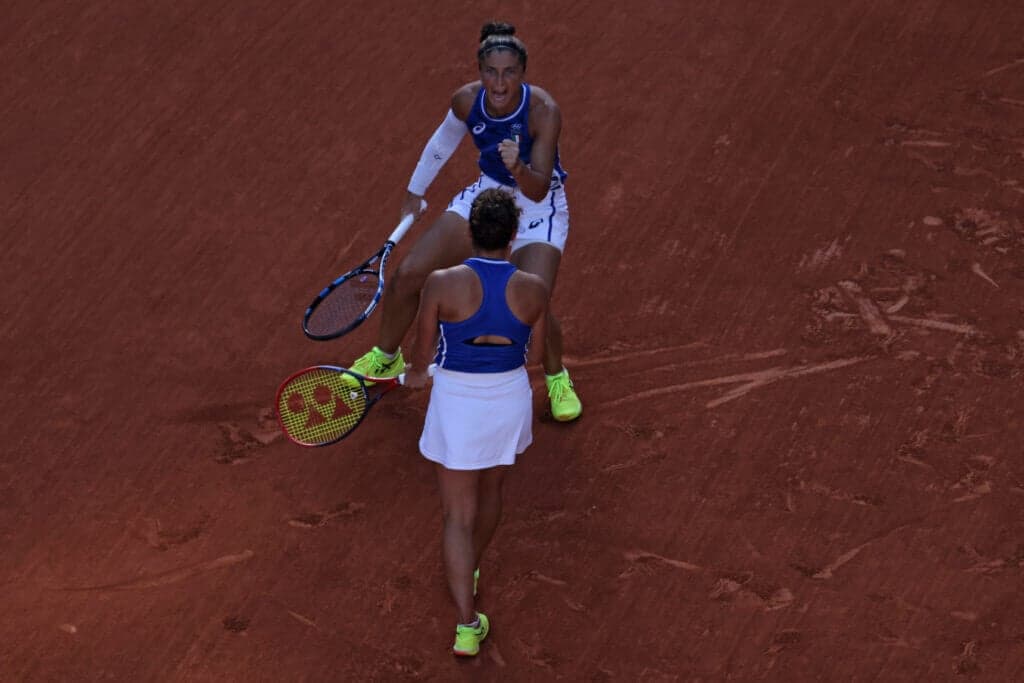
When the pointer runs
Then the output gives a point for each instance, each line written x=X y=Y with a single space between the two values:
x=496 y=28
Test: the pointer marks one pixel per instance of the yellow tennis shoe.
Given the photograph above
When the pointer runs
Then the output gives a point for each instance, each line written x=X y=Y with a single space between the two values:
x=565 y=404
x=469 y=637
x=375 y=363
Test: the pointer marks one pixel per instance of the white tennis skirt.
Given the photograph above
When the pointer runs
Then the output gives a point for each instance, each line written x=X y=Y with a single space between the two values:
x=478 y=420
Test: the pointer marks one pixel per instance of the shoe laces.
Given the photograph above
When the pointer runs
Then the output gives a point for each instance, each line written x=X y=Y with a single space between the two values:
x=376 y=364
x=380 y=365
x=559 y=386
x=467 y=630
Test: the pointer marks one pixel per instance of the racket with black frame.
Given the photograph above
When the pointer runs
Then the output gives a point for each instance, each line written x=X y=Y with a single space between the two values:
x=343 y=305
x=323 y=404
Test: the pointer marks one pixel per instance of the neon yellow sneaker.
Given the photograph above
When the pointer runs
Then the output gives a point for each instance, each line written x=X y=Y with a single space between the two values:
x=374 y=363
x=468 y=638
x=476 y=579
x=565 y=404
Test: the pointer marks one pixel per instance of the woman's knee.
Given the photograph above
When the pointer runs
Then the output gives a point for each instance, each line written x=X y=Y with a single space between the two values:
x=460 y=518
x=407 y=279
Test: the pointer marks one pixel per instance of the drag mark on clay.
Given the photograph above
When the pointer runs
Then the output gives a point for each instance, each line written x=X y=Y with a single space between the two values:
x=628 y=354
x=976 y=269
x=537 y=576
x=867 y=308
x=301 y=619
x=822 y=257
x=317 y=519
x=940 y=156
x=957 y=328
x=749 y=381
x=927 y=323
x=152 y=532
x=925 y=143
x=828 y=571
x=730 y=590
x=1004 y=67
x=169 y=577
x=644 y=556
x=821 y=489
x=879 y=315
x=643 y=459
x=238 y=442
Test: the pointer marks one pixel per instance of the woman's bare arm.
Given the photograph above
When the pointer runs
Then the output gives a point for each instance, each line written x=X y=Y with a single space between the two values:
x=545 y=126
x=426 y=331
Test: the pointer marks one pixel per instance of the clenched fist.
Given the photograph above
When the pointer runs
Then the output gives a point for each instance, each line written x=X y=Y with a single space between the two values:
x=509 y=150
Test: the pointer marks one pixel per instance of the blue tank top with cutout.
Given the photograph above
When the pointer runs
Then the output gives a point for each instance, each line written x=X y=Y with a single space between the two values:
x=455 y=347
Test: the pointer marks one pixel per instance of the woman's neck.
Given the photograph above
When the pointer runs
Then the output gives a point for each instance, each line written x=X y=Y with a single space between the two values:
x=495 y=254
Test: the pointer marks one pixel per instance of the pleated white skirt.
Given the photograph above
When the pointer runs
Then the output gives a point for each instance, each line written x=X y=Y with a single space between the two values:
x=478 y=420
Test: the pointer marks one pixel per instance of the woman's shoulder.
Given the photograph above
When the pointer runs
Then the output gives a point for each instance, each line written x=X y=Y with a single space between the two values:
x=527 y=296
x=463 y=98
x=543 y=107
x=452 y=277
x=541 y=97
x=452 y=271
x=528 y=284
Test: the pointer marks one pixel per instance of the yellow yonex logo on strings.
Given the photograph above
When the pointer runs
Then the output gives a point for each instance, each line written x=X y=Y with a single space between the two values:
x=320 y=405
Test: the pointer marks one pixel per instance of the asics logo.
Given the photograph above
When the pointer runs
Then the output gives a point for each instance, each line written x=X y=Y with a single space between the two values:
x=479 y=128
x=534 y=224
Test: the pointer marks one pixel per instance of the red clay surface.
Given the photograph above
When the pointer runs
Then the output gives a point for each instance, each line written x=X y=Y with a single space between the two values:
x=793 y=307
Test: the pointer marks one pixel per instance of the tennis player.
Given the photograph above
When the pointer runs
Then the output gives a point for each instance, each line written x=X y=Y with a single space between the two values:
x=478 y=318
x=515 y=126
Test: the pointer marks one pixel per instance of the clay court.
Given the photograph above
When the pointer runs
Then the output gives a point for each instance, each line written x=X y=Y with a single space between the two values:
x=793 y=301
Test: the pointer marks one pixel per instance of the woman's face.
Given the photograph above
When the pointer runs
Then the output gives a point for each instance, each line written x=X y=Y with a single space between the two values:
x=501 y=75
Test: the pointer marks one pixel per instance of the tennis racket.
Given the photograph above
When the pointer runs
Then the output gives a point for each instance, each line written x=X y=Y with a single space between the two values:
x=343 y=305
x=323 y=404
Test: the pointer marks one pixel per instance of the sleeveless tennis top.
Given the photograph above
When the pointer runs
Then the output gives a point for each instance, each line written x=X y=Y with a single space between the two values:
x=455 y=347
x=487 y=132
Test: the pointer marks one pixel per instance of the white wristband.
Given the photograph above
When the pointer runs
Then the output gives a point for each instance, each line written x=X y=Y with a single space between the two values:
x=439 y=149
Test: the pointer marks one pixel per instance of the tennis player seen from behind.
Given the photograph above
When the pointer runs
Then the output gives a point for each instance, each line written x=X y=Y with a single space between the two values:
x=478 y=318
x=516 y=127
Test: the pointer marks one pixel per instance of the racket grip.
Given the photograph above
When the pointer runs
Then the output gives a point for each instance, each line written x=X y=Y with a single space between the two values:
x=406 y=223
x=430 y=373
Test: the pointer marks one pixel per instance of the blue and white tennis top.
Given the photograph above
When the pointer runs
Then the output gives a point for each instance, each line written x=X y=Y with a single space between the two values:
x=487 y=132
x=455 y=347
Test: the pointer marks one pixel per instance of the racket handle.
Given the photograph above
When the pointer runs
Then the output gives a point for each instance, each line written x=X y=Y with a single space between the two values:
x=430 y=373
x=406 y=223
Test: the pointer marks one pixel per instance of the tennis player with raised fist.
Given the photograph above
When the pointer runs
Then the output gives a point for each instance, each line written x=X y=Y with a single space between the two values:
x=515 y=126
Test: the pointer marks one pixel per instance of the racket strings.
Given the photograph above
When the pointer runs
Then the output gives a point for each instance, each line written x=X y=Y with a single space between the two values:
x=321 y=406
x=343 y=305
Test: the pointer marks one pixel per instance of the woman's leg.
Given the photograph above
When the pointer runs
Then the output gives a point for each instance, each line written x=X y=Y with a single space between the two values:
x=459 y=495
x=445 y=244
x=488 y=509
x=543 y=259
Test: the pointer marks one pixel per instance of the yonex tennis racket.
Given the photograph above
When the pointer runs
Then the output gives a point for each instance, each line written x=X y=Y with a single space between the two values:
x=323 y=404
x=343 y=305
